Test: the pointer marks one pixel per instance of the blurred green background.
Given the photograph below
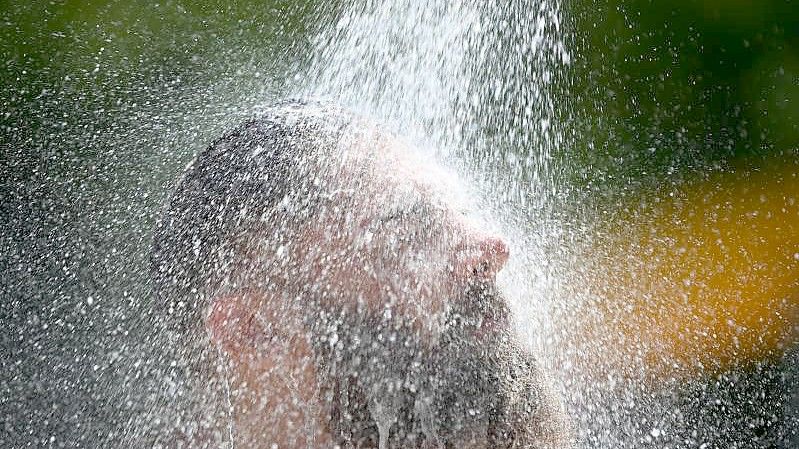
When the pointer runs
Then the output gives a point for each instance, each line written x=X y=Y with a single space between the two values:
x=665 y=89
x=103 y=103
x=656 y=89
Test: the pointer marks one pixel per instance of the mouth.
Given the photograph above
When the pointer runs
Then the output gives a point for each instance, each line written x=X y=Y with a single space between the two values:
x=479 y=324
x=492 y=323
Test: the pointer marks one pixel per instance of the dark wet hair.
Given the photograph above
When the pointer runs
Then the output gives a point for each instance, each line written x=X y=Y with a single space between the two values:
x=258 y=179
x=249 y=191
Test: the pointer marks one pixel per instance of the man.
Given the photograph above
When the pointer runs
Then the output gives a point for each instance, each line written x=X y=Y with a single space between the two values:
x=326 y=292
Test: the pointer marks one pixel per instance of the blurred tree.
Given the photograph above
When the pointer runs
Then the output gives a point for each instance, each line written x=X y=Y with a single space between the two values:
x=665 y=90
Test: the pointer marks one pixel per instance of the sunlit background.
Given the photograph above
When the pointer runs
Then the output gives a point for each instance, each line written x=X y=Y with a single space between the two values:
x=669 y=184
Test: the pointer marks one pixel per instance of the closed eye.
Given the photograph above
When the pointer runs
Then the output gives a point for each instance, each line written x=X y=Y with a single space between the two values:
x=418 y=211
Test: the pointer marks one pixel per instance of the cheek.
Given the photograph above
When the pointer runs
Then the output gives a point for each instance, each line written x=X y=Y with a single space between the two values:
x=408 y=272
x=429 y=267
x=419 y=272
x=338 y=268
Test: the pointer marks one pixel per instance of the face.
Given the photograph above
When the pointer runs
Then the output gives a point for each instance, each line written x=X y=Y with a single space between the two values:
x=394 y=239
x=411 y=337
x=380 y=324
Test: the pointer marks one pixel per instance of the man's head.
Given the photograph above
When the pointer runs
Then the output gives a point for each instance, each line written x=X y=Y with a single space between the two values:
x=352 y=300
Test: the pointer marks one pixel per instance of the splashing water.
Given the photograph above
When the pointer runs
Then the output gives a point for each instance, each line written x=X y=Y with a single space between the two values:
x=478 y=88
x=473 y=84
x=472 y=80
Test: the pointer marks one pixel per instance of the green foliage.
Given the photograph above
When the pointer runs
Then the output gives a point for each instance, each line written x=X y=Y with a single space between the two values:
x=665 y=89
x=658 y=89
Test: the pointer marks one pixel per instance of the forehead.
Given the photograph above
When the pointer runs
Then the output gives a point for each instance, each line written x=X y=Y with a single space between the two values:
x=390 y=171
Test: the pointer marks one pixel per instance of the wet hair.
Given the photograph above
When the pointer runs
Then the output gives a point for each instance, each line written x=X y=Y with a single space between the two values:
x=249 y=192
x=252 y=188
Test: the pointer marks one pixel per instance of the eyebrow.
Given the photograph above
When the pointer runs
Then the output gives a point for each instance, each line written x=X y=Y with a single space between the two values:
x=418 y=208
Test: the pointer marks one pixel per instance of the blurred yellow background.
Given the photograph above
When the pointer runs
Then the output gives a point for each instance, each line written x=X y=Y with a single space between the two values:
x=701 y=278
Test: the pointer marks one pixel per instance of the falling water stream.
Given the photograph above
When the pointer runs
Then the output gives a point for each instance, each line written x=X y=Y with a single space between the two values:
x=473 y=85
x=480 y=88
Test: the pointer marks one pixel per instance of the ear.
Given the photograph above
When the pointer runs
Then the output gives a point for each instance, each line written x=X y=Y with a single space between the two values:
x=232 y=325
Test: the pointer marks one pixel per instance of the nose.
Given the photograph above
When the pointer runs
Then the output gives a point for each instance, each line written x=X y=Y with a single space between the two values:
x=482 y=257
